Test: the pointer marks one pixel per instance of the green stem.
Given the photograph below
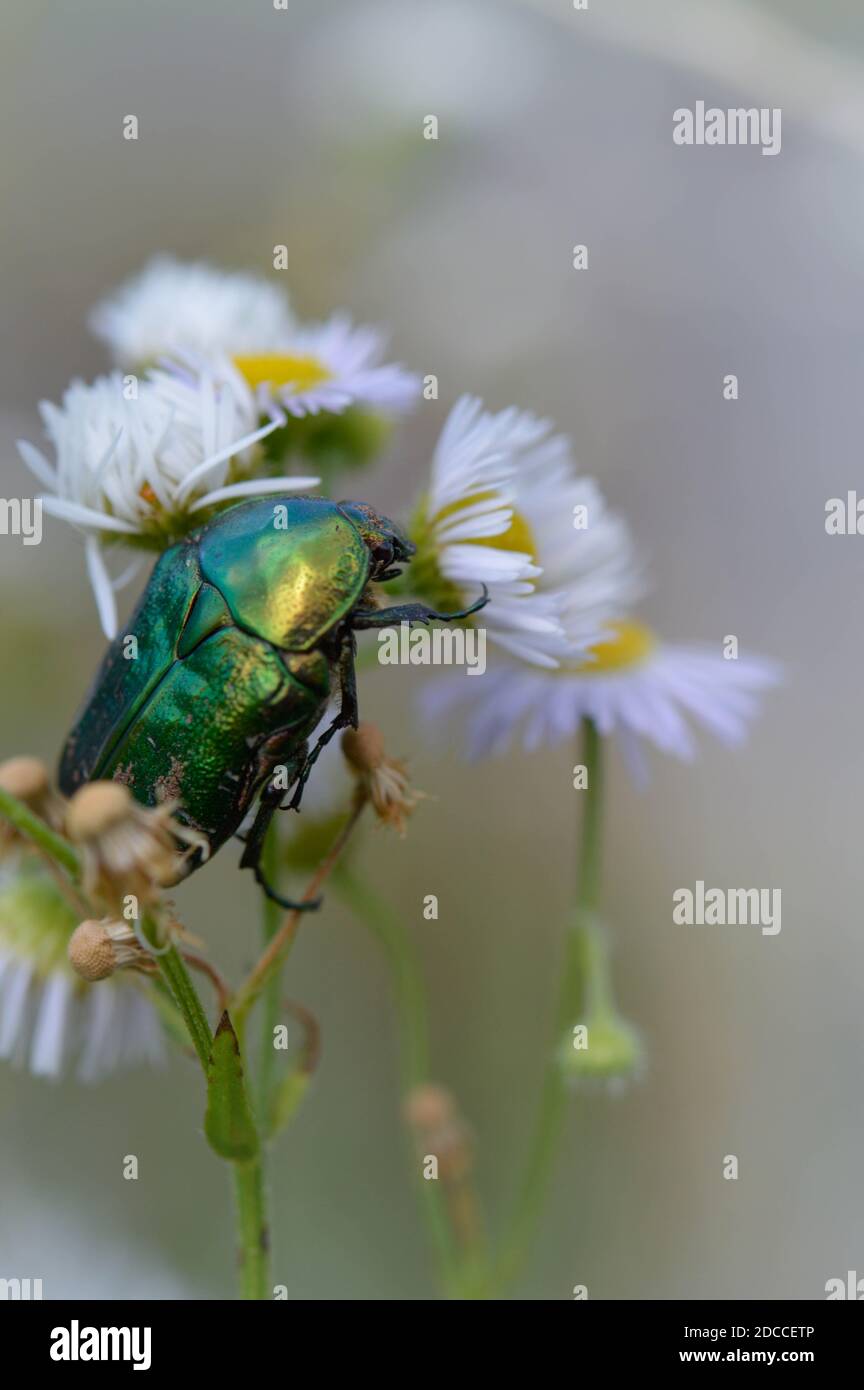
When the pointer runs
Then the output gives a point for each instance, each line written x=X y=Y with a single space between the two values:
x=270 y=1010
x=582 y=953
x=249 y=1196
x=185 y=995
x=409 y=992
x=266 y=977
x=414 y=1051
x=35 y=829
x=252 y=1229
x=270 y=962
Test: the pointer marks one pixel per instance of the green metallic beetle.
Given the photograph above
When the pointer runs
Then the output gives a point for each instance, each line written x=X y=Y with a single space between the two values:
x=228 y=663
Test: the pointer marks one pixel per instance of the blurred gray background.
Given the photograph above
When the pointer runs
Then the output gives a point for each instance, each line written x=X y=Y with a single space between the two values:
x=260 y=127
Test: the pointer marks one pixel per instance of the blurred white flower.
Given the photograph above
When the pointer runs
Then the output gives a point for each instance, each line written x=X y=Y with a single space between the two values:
x=205 y=323
x=506 y=508
x=190 y=306
x=50 y=1020
x=327 y=367
x=629 y=684
x=138 y=464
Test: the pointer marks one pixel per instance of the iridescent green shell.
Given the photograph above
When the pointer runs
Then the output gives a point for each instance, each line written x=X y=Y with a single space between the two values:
x=224 y=668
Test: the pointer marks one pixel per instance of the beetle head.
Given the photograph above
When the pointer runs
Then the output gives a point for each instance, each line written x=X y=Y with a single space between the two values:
x=388 y=545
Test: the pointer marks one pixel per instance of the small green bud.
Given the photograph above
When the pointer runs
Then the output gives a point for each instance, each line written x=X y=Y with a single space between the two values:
x=604 y=1048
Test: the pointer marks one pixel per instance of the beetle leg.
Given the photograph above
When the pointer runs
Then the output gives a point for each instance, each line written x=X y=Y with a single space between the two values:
x=413 y=613
x=346 y=718
x=268 y=805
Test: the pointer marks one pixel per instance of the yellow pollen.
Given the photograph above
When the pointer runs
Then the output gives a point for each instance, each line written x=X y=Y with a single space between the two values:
x=282 y=369
x=518 y=536
x=628 y=645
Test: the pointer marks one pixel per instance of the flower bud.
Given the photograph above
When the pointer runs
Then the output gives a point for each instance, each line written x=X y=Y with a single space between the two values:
x=97 y=949
x=383 y=780
x=128 y=849
x=433 y=1115
x=27 y=779
x=602 y=1049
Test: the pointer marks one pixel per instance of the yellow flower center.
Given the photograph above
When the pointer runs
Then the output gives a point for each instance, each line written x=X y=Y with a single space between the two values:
x=518 y=536
x=629 y=643
x=282 y=369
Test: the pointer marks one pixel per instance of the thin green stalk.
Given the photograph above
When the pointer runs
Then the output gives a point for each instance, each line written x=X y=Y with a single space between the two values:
x=35 y=829
x=275 y=953
x=265 y=978
x=270 y=1002
x=248 y=1176
x=185 y=995
x=252 y=1229
x=414 y=1051
x=577 y=978
x=408 y=988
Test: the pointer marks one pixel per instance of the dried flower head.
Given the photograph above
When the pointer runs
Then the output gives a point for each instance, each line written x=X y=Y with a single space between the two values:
x=97 y=949
x=27 y=779
x=432 y=1114
x=383 y=780
x=128 y=849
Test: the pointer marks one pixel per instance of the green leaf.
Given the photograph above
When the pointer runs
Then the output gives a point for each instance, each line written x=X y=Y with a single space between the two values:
x=228 y=1123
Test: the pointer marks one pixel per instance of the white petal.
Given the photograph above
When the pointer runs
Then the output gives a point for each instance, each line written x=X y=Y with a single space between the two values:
x=13 y=1016
x=102 y=587
x=237 y=447
x=37 y=463
x=260 y=487
x=51 y=1034
x=85 y=516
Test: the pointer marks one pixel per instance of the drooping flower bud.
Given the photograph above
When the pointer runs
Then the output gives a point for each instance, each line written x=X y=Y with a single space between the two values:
x=602 y=1049
x=27 y=779
x=126 y=848
x=384 y=780
x=97 y=949
x=439 y=1129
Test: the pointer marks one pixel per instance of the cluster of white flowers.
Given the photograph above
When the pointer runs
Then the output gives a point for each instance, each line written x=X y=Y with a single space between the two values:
x=225 y=363
x=207 y=365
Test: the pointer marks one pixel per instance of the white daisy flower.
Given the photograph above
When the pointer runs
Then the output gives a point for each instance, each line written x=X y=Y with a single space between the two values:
x=50 y=1020
x=190 y=306
x=325 y=368
x=507 y=509
x=140 y=467
x=629 y=684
